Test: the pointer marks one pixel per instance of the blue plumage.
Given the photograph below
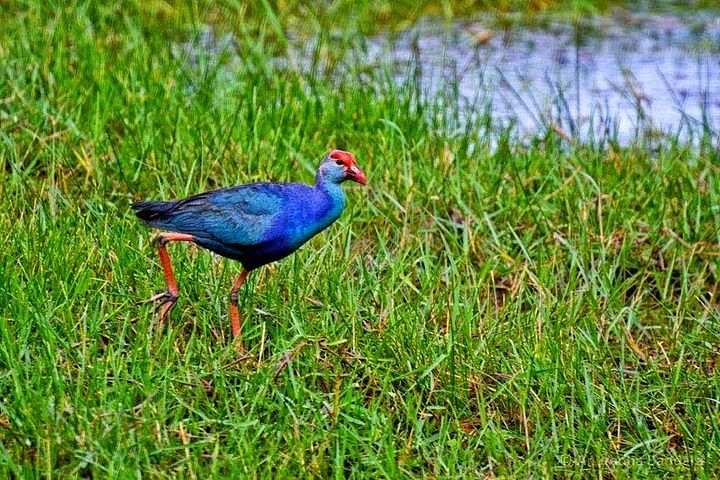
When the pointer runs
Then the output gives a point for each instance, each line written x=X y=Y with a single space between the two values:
x=255 y=224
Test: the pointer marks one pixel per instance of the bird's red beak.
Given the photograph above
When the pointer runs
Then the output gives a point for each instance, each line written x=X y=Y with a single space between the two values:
x=355 y=174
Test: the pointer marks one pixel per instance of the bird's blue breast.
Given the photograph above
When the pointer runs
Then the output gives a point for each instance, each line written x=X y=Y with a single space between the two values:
x=305 y=214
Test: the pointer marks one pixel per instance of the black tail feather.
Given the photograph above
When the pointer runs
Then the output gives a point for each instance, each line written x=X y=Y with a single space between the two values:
x=153 y=212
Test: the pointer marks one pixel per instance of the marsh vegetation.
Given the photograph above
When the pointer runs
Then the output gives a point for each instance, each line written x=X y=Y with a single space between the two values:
x=497 y=302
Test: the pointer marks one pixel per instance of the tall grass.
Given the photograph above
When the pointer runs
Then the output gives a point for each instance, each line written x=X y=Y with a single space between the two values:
x=515 y=311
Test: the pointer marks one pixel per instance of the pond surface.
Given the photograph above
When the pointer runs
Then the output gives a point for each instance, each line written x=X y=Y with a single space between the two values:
x=614 y=78
x=611 y=79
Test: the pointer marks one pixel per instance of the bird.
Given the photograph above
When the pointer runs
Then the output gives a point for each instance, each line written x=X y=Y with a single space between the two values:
x=254 y=224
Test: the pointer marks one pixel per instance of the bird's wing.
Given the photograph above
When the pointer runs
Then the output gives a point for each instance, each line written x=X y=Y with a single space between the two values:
x=241 y=215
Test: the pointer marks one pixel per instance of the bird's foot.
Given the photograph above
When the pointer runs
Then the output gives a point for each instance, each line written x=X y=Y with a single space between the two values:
x=165 y=302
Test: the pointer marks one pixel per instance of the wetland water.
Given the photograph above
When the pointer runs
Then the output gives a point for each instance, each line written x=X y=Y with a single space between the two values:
x=612 y=78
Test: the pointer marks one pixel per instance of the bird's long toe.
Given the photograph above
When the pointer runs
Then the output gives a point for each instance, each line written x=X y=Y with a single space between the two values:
x=162 y=298
x=163 y=309
x=165 y=302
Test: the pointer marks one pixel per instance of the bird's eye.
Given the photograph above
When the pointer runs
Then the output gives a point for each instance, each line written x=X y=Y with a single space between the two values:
x=339 y=162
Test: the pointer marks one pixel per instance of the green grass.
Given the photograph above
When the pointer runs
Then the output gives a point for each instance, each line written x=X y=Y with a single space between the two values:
x=523 y=311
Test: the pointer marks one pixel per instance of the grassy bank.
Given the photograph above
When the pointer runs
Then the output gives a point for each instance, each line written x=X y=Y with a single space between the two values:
x=522 y=310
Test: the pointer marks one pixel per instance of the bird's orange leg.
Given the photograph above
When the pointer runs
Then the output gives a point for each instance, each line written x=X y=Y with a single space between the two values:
x=234 y=314
x=168 y=298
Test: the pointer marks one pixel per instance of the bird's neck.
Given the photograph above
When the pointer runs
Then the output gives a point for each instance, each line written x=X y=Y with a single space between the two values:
x=327 y=185
x=332 y=189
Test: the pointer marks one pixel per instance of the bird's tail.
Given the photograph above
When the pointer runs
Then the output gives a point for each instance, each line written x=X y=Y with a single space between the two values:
x=153 y=213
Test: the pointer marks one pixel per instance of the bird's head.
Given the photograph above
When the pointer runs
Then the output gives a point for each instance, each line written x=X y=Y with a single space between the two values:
x=339 y=165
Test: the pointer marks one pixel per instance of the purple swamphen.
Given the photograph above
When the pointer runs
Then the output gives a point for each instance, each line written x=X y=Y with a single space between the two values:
x=254 y=224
